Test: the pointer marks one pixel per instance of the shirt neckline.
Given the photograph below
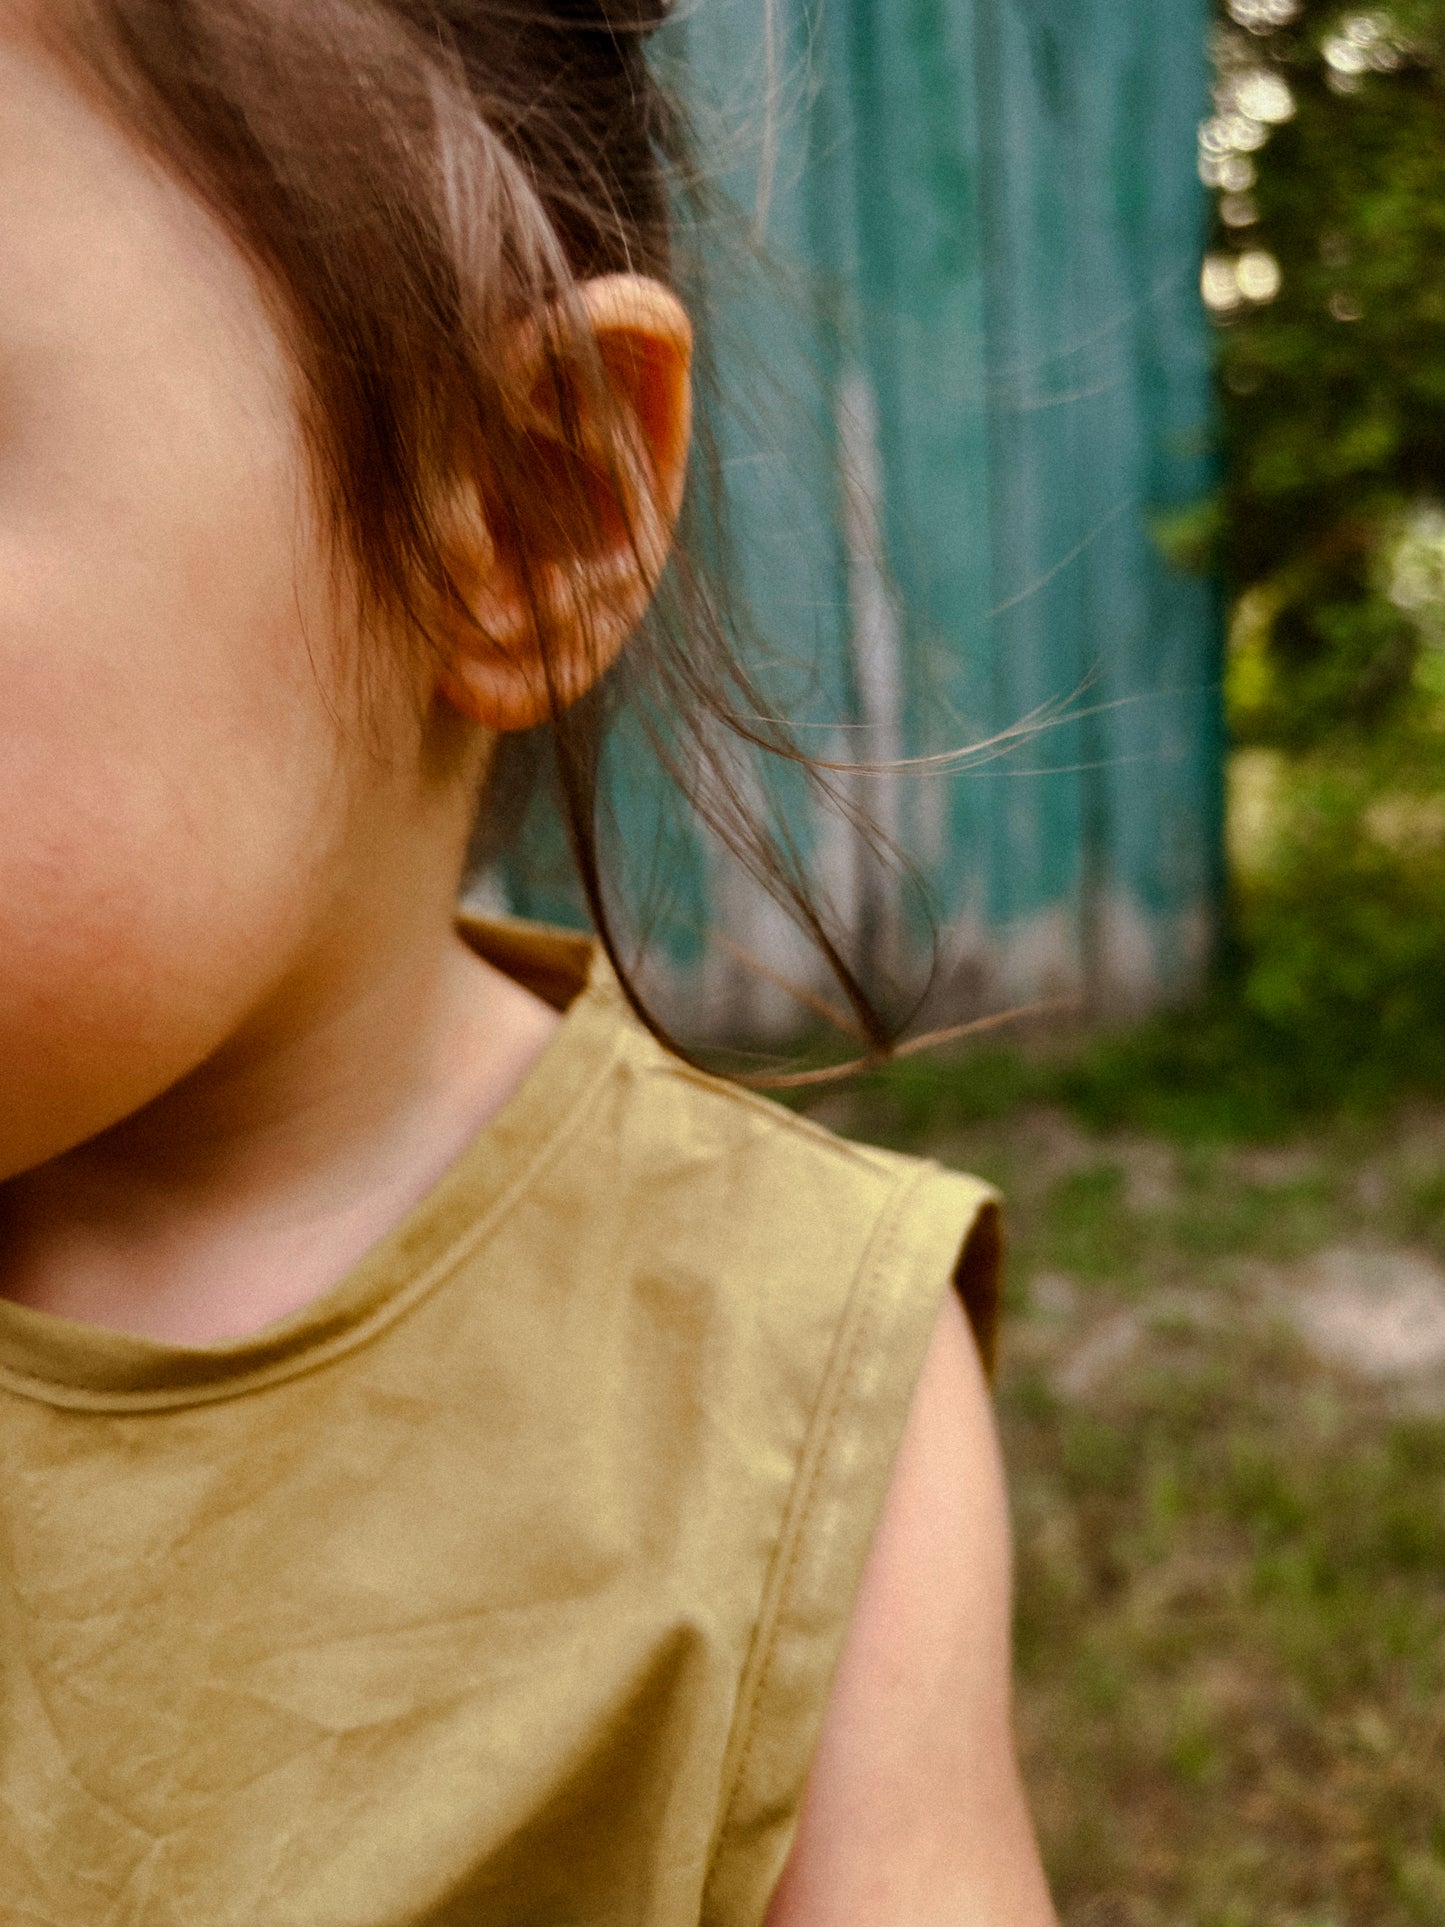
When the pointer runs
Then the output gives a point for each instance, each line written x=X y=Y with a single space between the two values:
x=59 y=1361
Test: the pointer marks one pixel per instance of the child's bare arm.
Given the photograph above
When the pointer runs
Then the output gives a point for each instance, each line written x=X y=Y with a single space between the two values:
x=915 y=1814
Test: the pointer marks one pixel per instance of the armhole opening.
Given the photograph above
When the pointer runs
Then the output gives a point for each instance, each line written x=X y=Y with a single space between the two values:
x=976 y=1279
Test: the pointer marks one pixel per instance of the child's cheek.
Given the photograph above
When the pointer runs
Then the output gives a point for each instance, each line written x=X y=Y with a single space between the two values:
x=164 y=813
x=169 y=794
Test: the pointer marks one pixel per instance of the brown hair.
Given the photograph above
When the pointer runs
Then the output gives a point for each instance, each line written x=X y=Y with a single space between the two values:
x=413 y=176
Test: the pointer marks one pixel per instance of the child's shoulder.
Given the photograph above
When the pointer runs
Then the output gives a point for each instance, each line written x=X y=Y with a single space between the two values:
x=688 y=1173
x=789 y=1284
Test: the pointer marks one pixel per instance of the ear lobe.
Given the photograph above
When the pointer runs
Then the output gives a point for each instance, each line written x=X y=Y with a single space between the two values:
x=607 y=428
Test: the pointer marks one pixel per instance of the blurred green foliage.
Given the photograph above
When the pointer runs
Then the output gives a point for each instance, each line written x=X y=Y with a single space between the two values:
x=1326 y=276
x=1332 y=378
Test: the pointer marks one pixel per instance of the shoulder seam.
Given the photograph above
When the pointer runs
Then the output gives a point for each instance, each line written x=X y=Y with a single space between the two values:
x=870 y=1157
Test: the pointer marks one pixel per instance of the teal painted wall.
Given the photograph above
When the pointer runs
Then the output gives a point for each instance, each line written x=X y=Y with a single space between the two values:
x=974 y=376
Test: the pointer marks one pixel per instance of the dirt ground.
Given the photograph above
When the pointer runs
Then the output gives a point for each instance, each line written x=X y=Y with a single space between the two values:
x=1222 y=1396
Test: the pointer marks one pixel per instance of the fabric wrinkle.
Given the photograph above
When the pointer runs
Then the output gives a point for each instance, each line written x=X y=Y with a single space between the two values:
x=535 y=1589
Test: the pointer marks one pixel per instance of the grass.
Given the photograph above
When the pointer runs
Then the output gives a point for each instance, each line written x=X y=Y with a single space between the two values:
x=1231 y=1553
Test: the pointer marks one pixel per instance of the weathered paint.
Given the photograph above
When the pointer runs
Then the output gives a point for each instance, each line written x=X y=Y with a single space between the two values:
x=947 y=437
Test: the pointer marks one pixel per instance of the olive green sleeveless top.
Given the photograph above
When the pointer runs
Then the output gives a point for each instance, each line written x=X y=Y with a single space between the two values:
x=503 y=1584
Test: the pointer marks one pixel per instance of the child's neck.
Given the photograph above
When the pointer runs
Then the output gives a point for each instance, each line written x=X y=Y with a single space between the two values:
x=251 y=1187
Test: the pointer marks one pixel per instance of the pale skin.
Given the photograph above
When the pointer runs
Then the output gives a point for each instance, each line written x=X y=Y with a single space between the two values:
x=240 y=1036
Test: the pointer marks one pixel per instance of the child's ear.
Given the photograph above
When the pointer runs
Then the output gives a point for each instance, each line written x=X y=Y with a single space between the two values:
x=607 y=425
